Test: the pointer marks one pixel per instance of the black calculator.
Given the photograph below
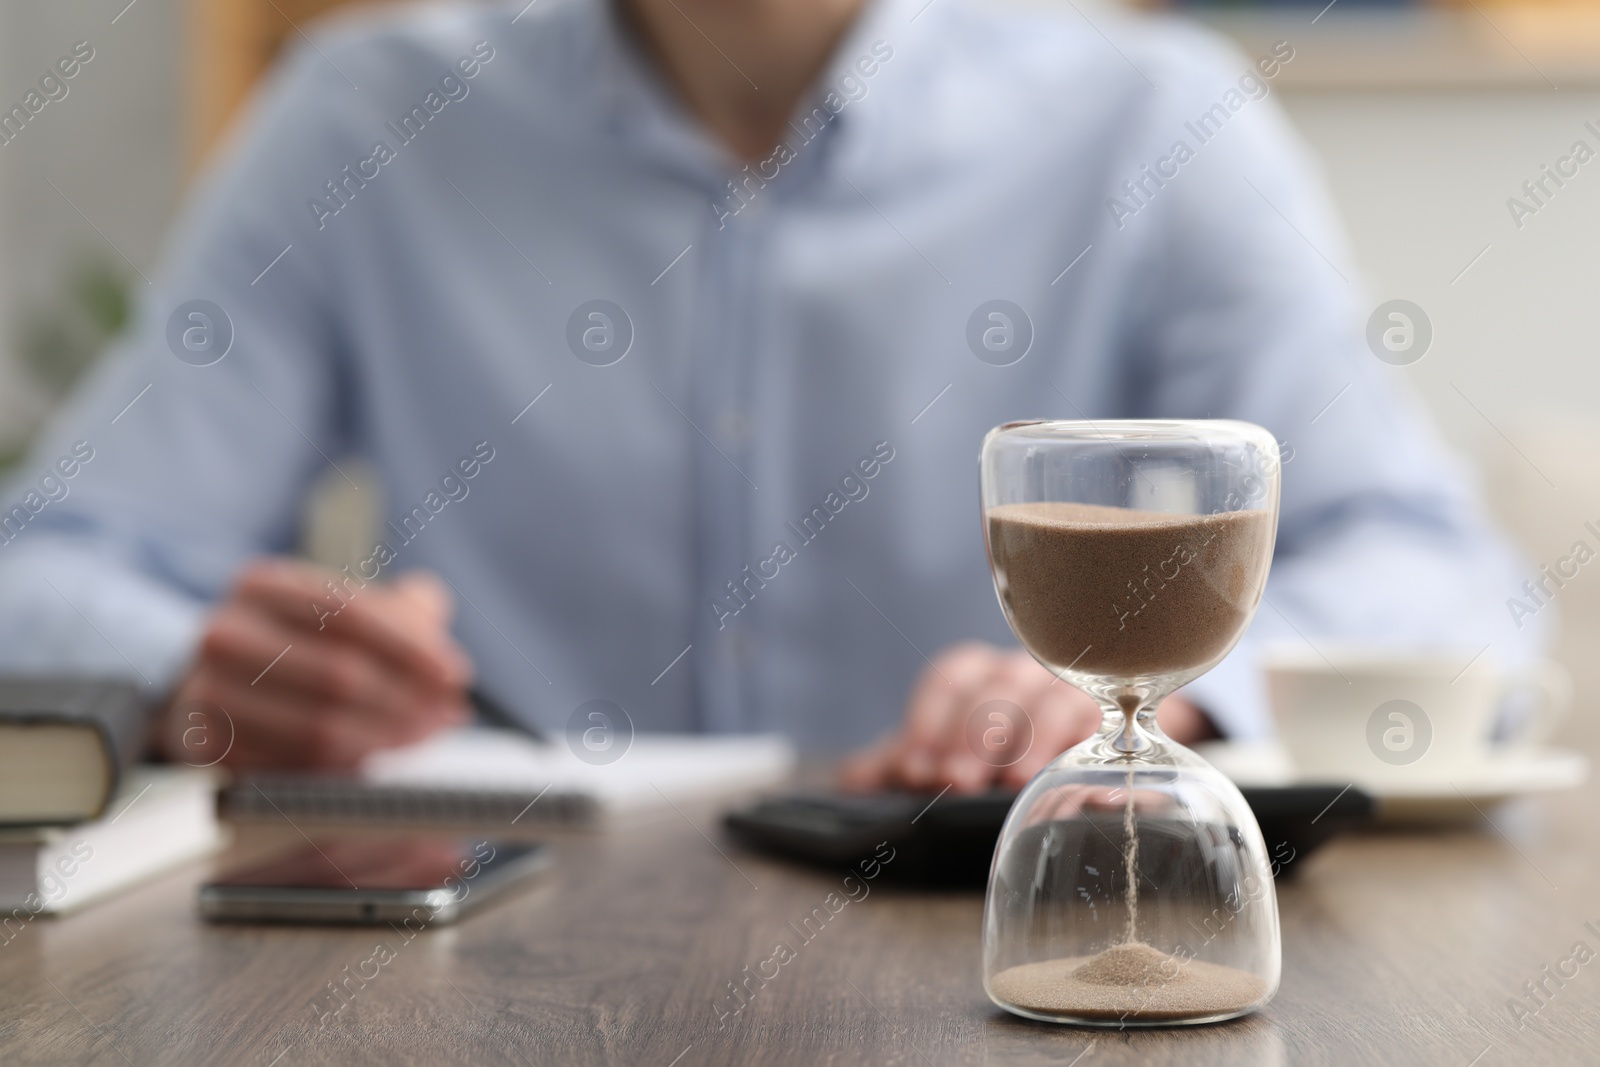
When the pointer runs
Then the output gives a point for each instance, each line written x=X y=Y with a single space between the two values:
x=947 y=840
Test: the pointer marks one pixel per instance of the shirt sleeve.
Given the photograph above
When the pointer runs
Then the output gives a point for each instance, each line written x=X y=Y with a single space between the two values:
x=191 y=446
x=1248 y=308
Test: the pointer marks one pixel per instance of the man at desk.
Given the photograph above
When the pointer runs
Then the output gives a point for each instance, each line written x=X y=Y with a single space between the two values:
x=671 y=328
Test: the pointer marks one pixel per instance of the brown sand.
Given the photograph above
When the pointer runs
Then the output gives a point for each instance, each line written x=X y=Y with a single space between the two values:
x=1124 y=593
x=1130 y=857
x=1131 y=982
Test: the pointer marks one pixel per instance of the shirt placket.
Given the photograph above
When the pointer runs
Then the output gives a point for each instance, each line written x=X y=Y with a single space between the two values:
x=721 y=372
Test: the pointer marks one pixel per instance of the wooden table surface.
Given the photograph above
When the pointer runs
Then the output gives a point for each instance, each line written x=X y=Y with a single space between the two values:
x=1399 y=947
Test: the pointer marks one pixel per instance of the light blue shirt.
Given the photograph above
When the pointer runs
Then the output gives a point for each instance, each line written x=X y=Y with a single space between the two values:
x=732 y=411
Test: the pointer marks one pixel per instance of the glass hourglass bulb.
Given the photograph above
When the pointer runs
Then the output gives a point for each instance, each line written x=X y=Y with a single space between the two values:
x=1130 y=884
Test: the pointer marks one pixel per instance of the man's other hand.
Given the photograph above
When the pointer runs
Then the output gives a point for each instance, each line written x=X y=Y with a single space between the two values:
x=306 y=679
x=934 y=748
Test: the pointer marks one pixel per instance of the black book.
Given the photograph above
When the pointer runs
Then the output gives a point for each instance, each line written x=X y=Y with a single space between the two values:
x=64 y=745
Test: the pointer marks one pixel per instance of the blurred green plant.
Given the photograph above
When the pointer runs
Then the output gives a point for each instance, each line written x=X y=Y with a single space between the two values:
x=61 y=339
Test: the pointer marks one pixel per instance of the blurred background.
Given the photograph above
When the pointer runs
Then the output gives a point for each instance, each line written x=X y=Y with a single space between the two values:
x=1427 y=117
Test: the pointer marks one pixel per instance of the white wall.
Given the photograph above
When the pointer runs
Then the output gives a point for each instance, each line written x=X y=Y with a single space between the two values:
x=113 y=146
x=1422 y=178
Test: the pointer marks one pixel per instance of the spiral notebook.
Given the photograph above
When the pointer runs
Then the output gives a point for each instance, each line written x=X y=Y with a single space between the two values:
x=487 y=775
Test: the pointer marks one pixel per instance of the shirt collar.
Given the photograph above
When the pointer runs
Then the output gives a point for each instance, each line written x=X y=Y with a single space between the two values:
x=862 y=47
x=637 y=104
x=868 y=114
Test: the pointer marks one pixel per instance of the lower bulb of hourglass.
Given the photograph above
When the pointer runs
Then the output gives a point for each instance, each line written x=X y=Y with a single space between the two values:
x=1131 y=891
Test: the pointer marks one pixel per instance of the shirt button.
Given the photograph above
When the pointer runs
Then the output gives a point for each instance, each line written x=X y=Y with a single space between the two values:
x=741 y=648
x=736 y=427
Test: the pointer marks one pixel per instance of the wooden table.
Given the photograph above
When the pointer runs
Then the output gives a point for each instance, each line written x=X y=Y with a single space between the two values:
x=1399 y=948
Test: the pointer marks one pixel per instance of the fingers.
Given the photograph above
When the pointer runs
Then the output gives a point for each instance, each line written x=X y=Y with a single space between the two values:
x=321 y=668
x=265 y=726
x=259 y=730
x=871 y=768
x=313 y=672
x=980 y=717
x=977 y=718
x=259 y=646
x=997 y=727
x=379 y=670
x=432 y=599
x=297 y=594
x=939 y=702
x=1184 y=722
x=1062 y=716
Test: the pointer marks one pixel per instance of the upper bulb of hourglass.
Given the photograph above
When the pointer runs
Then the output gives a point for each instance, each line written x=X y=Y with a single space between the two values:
x=1130 y=885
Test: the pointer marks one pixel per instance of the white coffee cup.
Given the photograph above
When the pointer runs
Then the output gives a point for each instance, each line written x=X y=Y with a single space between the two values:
x=1385 y=716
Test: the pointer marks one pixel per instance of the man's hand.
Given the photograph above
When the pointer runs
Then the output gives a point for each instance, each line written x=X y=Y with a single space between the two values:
x=373 y=670
x=933 y=748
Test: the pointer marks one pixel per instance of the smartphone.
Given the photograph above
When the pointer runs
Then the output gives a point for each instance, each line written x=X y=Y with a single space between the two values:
x=428 y=879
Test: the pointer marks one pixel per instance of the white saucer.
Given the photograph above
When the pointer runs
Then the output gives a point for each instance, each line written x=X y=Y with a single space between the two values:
x=1462 y=791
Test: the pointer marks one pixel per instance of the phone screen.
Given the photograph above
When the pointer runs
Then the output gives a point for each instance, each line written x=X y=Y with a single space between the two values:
x=397 y=863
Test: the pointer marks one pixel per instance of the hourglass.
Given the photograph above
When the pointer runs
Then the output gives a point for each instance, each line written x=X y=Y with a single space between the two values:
x=1130 y=885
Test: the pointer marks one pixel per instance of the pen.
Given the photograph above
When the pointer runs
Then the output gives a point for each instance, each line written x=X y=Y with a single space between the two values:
x=495 y=713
